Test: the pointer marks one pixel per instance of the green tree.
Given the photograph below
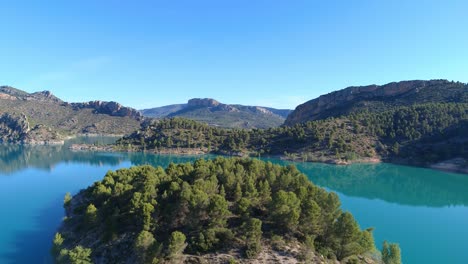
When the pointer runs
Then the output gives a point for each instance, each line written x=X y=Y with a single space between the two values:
x=285 y=210
x=91 y=215
x=347 y=232
x=218 y=211
x=144 y=246
x=310 y=218
x=67 y=200
x=176 y=245
x=264 y=192
x=391 y=253
x=147 y=210
x=253 y=235
x=78 y=255
x=367 y=240
x=57 y=244
x=237 y=192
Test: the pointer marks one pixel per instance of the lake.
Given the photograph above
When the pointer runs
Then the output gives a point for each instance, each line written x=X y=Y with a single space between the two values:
x=423 y=210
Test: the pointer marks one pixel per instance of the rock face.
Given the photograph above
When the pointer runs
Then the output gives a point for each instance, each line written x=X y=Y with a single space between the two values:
x=54 y=119
x=44 y=96
x=109 y=108
x=13 y=92
x=16 y=129
x=205 y=102
x=376 y=97
x=10 y=93
x=7 y=97
x=13 y=128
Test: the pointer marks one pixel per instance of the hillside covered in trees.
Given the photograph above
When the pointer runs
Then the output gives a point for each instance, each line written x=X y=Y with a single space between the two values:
x=225 y=210
x=379 y=98
x=419 y=134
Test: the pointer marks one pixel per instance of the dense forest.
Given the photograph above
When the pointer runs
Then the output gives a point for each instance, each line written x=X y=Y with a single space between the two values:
x=234 y=207
x=418 y=134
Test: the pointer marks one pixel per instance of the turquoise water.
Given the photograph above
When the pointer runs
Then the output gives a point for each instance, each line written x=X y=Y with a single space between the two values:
x=425 y=211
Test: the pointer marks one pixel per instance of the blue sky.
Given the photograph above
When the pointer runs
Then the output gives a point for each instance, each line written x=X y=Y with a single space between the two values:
x=273 y=53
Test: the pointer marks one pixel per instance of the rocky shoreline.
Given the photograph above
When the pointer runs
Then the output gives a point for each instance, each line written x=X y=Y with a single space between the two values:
x=457 y=165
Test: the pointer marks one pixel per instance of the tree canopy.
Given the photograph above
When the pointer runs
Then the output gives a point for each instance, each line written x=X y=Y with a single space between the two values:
x=206 y=206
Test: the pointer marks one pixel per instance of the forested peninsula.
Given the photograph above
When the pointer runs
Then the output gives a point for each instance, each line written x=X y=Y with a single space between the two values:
x=226 y=210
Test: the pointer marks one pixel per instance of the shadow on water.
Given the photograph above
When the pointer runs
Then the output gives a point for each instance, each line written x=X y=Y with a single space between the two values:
x=33 y=246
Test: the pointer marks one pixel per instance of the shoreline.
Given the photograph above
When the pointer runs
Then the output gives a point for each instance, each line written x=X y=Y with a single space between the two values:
x=456 y=165
x=57 y=142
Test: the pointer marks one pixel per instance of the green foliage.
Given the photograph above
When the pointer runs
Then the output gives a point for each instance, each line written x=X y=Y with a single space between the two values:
x=212 y=205
x=430 y=132
x=176 y=244
x=252 y=229
x=218 y=211
x=278 y=243
x=367 y=240
x=349 y=240
x=145 y=246
x=77 y=255
x=91 y=215
x=57 y=244
x=391 y=253
x=285 y=210
x=67 y=200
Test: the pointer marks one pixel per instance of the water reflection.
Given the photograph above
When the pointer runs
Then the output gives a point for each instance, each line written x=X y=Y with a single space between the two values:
x=18 y=157
x=392 y=183
x=15 y=158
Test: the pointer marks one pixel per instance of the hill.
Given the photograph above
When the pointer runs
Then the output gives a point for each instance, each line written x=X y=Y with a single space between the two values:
x=40 y=117
x=422 y=135
x=226 y=210
x=215 y=113
x=375 y=98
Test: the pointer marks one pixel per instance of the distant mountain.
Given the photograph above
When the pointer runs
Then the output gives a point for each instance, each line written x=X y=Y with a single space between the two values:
x=163 y=111
x=377 y=98
x=222 y=115
x=422 y=123
x=41 y=117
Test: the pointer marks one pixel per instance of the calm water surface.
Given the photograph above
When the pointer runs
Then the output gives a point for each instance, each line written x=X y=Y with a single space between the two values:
x=425 y=211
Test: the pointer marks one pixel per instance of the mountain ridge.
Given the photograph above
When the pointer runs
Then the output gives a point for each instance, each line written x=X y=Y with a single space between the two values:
x=43 y=118
x=216 y=113
x=377 y=98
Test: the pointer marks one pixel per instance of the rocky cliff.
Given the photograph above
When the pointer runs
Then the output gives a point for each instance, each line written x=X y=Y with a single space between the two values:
x=13 y=128
x=205 y=102
x=10 y=93
x=109 y=108
x=42 y=118
x=16 y=129
x=377 y=98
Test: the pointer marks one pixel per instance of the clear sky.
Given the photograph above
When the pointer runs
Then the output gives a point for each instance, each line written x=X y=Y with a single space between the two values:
x=274 y=52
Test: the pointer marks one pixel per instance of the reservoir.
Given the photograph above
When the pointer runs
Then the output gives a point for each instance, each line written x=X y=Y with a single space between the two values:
x=423 y=210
